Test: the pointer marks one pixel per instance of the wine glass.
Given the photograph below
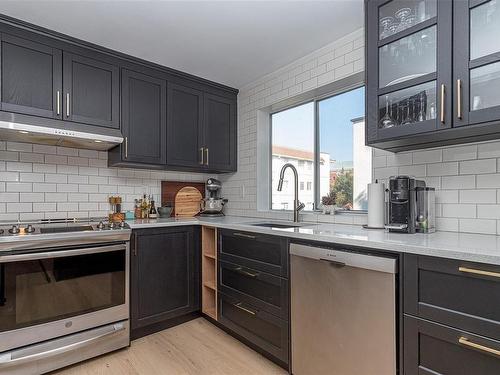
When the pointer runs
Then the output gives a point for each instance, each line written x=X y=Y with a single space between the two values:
x=385 y=23
x=421 y=116
x=386 y=121
x=407 y=119
x=401 y=15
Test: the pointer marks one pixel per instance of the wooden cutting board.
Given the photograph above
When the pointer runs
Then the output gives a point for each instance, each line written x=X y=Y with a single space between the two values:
x=187 y=202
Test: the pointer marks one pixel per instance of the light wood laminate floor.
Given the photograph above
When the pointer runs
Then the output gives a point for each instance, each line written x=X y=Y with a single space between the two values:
x=196 y=347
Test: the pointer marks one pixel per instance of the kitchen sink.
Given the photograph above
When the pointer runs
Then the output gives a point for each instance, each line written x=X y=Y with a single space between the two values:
x=277 y=225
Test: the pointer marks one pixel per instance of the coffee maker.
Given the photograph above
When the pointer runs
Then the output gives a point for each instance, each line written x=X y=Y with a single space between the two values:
x=213 y=204
x=405 y=213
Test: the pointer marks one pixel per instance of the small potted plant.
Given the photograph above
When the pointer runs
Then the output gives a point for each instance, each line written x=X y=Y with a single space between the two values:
x=328 y=202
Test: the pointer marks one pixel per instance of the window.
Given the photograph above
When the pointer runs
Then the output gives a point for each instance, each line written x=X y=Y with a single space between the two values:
x=325 y=140
x=292 y=141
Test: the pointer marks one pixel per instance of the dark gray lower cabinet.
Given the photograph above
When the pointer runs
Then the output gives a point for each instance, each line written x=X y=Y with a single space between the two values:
x=434 y=349
x=451 y=317
x=263 y=330
x=253 y=286
x=165 y=271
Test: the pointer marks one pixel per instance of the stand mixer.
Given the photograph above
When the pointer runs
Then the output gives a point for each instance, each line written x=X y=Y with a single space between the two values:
x=213 y=204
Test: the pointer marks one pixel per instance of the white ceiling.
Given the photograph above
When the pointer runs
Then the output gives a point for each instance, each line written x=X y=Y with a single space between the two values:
x=231 y=42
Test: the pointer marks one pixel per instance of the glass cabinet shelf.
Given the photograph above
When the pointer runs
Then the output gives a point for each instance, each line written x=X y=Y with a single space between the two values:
x=484 y=84
x=485 y=29
x=399 y=15
x=408 y=106
x=408 y=57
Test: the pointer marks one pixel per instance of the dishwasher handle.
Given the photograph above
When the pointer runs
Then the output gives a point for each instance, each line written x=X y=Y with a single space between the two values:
x=345 y=258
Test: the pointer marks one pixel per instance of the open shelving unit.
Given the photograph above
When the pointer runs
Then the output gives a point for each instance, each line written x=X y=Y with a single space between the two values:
x=209 y=271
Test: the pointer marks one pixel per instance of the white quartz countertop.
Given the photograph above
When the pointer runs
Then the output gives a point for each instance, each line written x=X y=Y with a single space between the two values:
x=464 y=246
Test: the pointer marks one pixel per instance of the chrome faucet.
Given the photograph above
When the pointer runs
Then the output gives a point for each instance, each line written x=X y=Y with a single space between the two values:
x=297 y=206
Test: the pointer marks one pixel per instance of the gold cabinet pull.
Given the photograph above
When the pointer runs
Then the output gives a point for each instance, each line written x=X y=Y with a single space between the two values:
x=465 y=341
x=67 y=104
x=459 y=98
x=201 y=152
x=241 y=271
x=443 y=92
x=238 y=305
x=479 y=272
x=126 y=147
x=206 y=158
x=58 y=102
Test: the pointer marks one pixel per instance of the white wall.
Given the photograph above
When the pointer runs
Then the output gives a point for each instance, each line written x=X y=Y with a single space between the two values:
x=467 y=177
x=46 y=182
x=331 y=63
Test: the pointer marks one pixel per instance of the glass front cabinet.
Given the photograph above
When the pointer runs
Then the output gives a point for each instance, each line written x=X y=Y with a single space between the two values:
x=432 y=72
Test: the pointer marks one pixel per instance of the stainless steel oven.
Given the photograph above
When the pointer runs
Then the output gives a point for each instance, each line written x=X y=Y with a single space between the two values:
x=54 y=300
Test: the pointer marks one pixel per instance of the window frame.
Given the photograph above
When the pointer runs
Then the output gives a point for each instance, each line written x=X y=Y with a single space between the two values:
x=317 y=206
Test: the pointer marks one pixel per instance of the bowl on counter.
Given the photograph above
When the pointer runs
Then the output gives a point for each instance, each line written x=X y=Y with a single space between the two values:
x=164 y=211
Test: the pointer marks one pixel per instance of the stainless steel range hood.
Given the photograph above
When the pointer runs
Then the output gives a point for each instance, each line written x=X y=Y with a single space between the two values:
x=20 y=132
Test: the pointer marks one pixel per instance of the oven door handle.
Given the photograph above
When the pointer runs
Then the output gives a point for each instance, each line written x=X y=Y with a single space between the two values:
x=6 y=359
x=60 y=253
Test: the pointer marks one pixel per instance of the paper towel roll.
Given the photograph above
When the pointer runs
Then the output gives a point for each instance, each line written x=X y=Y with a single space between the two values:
x=376 y=205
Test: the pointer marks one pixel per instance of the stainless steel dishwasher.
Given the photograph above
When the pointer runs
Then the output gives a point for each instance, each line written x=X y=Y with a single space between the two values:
x=343 y=312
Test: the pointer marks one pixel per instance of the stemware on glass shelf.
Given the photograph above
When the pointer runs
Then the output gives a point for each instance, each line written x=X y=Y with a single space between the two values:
x=387 y=121
x=399 y=15
x=408 y=106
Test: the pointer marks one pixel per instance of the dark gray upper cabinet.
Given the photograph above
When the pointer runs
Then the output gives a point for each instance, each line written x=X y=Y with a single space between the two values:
x=408 y=68
x=144 y=101
x=433 y=71
x=476 y=62
x=185 y=127
x=31 y=76
x=165 y=271
x=91 y=91
x=220 y=133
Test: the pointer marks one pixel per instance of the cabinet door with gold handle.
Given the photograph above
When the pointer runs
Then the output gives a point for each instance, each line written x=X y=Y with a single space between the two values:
x=443 y=104
x=202 y=158
x=67 y=104
x=459 y=99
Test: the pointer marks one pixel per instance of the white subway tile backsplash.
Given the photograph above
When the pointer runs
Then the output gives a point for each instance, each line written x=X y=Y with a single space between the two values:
x=18 y=146
x=489 y=150
x=44 y=149
x=478 y=166
x=19 y=207
x=9 y=176
x=19 y=186
x=44 y=187
x=427 y=156
x=458 y=182
x=442 y=169
x=9 y=156
x=460 y=153
x=478 y=196
x=19 y=167
x=483 y=226
x=459 y=210
x=56 y=159
x=488 y=181
x=31 y=197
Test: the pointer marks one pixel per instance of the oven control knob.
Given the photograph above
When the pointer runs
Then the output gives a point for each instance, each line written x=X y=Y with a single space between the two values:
x=14 y=230
x=123 y=224
x=29 y=229
x=1 y=231
x=112 y=225
x=100 y=225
